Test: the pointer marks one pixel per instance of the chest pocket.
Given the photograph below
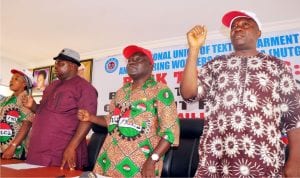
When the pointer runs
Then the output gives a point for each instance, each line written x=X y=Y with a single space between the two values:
x=62 y=103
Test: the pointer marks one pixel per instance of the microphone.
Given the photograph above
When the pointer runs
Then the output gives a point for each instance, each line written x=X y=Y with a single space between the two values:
x=88 y=174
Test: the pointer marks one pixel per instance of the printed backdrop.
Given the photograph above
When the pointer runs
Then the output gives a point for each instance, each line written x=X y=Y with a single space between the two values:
x=109 y=73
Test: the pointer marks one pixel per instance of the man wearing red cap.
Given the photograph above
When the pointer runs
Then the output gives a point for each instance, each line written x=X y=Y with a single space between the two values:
x=15 y=118
x=142 y=122
x=251 y=98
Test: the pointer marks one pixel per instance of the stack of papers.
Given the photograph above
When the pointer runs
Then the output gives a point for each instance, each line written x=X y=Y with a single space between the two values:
x=19 y=166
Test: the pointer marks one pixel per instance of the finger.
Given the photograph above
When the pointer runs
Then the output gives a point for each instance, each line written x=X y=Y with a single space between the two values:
x=192 y=31
x=198 y=30
x=205 y=30
x=195 y=30
x=63 y=164
x=24 y=98
x=71 y=164
x=198 y=27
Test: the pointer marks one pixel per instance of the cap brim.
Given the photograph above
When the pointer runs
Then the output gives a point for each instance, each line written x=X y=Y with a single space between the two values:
x=132 y=49
x=14 y=71
x=228 y=17
x=66 y=58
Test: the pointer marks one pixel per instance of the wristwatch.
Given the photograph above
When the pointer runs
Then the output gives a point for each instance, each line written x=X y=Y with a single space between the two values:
x=155 y=157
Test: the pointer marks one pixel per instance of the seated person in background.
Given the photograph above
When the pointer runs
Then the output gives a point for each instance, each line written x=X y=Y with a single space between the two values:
x=142 y=122
x=57 y=137
x=15 y=118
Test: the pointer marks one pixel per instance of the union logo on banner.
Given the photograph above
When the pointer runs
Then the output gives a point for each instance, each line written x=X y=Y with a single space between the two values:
x=111 y=65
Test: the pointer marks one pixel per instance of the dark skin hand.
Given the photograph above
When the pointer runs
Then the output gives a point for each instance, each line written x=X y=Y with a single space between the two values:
x=292 y=166
x=69 y=155
x=84 y=115
x=69 y=158
x=148 y=169
x=10 y=151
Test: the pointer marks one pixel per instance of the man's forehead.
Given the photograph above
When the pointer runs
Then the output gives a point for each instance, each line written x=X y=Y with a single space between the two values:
x=138 y=54
x=17 y=75
x=59 y=60
x=62 y=61
x=248 y=19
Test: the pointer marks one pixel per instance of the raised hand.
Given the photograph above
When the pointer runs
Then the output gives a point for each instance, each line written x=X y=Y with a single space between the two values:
x=196 y=36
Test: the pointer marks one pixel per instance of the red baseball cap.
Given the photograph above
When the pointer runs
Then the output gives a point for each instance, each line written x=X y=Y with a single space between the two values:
x=230 y=16
x=27 y=76
x=132 y=49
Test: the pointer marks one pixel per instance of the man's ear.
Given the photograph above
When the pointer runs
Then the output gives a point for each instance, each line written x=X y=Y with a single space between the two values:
x=258 y=33
x=151 y=65
x=74 y=66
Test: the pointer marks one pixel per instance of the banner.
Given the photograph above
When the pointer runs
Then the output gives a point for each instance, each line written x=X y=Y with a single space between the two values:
x=109 y=73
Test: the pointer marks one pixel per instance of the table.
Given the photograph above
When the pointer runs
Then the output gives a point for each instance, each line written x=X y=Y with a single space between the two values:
x=35 y=172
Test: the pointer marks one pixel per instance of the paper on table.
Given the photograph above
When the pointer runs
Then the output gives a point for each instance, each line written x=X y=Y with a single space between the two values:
x=97 y=175
x=21 y=166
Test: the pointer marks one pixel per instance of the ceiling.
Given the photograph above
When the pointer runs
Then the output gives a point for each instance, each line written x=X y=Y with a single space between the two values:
x=34 y=31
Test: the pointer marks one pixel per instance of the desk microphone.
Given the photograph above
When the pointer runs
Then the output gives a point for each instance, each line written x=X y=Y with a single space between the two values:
x=88 y=174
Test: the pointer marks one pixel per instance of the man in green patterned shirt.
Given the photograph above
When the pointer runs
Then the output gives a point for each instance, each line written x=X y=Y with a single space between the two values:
x=142 y=122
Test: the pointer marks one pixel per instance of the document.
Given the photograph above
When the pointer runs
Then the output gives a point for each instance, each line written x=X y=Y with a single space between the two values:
x=19 y=166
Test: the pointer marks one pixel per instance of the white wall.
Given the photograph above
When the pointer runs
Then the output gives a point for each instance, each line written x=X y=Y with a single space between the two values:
x=7 y=64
